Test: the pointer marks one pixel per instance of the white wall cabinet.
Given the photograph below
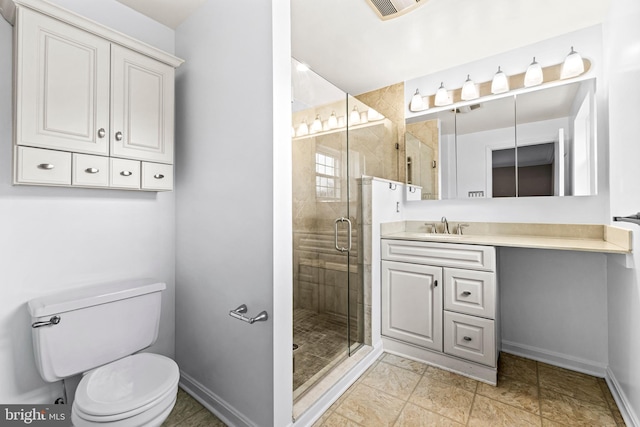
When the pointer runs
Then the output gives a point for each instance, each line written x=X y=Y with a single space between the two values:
x=78 y=91
x=439 y=305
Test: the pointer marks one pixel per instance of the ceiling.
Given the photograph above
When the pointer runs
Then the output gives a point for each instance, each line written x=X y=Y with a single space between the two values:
x=168 y=12
x=350 y=46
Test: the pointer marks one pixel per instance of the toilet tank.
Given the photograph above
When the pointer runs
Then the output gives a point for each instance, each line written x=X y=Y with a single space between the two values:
x=98 y=324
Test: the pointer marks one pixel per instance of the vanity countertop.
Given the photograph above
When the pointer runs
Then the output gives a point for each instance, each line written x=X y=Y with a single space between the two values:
x=570 y=237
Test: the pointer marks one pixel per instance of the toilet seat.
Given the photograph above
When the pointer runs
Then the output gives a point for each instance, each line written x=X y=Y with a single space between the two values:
x=127 y=389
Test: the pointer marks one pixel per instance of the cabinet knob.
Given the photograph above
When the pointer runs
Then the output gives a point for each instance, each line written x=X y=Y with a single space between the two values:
x=118 y=136
x=466 y=293
x=158 y=176
x=126 y=173
x=435 y=283
x=46 y=166
x=467 y=339
x=92 y=170
x=101 y=133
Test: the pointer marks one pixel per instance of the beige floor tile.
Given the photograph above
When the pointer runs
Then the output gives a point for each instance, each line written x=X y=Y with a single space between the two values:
x=565 y=409
x=611 y=402
x=549 y=423
x=574 y=384
x=512 y=392
x=391 y=379
x=447 y=377
x=522 y=369
x=415 y=416
x=203 y=418
x=185 y=407
x=322 y=419
x=370 y=407
x=444 y=399
x=337 y=420
x=401 y=362
x=491 y=413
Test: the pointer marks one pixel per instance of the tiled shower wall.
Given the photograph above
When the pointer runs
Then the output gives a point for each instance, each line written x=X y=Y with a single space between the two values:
x=320 y=272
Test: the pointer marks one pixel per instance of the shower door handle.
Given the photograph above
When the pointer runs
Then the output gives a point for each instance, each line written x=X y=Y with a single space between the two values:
x=335 y=228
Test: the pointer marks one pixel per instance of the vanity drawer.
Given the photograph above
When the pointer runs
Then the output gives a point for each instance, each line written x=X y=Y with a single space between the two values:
x=442 y=254
x=470 y=292
x=125 y=173
x=38 y=166
x=90 y=171
x=469 y=337
x=156 y=176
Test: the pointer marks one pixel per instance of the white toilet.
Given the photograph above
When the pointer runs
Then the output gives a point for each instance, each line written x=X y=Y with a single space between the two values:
x=96 y=330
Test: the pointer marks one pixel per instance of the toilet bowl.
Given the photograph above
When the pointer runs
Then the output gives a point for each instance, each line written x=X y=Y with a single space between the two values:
x=98 y=331
x=138 y=390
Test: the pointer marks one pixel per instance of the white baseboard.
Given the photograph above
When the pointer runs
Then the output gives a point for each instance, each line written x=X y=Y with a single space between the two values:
x=630 y=417
x=573 y=363
x=227 y=413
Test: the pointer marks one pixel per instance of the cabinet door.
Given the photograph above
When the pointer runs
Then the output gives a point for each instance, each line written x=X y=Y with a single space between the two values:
x=412 y=303
x=62 y=90
x=142 y=98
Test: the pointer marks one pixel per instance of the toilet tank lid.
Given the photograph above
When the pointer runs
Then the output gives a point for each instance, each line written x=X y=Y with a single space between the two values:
x=87 y=296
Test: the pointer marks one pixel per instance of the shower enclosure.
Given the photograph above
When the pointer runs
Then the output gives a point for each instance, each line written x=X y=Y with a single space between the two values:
x=336 y=139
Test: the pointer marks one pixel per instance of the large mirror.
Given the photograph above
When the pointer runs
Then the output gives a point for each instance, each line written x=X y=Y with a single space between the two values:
x=536 y=143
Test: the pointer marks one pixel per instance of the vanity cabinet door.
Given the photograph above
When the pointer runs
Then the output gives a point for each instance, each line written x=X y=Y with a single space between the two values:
x=412 y=303
x=142 y=105
x=62 y=86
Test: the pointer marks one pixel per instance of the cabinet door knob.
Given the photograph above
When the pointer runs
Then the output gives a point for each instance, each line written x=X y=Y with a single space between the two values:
x=46 y=166
x=158 y=176
x=435 y=283
x=92 y=170
x=101 y=133
x=466 y=293
x=118 y=136
x=467 y=339
x=126 y=173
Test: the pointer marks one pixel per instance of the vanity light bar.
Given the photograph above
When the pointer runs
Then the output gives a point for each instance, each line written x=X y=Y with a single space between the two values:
x=501 y=83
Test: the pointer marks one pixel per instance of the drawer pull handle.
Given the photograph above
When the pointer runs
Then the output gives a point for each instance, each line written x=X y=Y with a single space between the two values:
x=46 y=166
x=467 y=339
x=118 y=136
x=92 y=170
x=466 y=293
x=126 y=173
x=158 y=176
x=101 y=133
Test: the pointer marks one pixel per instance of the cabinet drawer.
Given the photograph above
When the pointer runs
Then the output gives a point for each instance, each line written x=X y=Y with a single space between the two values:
x=125 y=173
x=156 y=176
x=90 y=171
x=471 y=338
x=37 y=166
x=442 y=254
x=470 y=292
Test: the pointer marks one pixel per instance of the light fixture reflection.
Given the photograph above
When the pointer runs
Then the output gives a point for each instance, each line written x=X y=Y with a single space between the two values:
x=373 y=115
x=418 y=102
x=500 y=82
x=442 y=96
x=303 y=129
x=572 y=65
x=333 y=120
x=533 y=76
x=354 y=117
x=469 y=90
x=316 y=126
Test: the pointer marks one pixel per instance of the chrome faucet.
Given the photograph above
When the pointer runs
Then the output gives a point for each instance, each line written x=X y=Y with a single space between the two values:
x=445 y=229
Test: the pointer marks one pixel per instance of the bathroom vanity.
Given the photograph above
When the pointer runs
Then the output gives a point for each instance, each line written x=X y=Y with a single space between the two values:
x=440 y=292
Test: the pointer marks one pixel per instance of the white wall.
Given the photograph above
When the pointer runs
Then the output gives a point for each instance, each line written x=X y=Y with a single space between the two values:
x=622 y=42
x=234 y=209
x=55 y=238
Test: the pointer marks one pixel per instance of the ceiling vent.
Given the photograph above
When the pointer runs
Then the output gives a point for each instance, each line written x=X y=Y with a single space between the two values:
x=387 y=9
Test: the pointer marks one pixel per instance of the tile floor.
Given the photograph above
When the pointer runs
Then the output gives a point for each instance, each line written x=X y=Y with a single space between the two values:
x=403 y=393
